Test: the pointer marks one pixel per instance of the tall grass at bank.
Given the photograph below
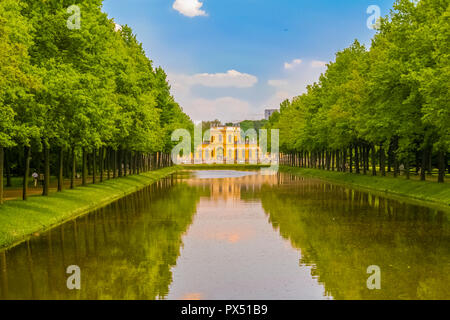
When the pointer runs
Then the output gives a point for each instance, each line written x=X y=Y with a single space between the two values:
x=437 y=193
x=20 y=219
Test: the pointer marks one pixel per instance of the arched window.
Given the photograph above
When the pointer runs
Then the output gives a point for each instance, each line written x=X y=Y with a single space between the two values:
x=229 y=139
x=220 y=154
x=220 y=138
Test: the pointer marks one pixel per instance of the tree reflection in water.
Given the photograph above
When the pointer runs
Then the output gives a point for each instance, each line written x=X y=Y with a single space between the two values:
x=341 y=232
x=125 y=250
x=128 y=249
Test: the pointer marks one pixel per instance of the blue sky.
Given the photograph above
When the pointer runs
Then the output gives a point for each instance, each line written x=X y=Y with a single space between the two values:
x=231 y=59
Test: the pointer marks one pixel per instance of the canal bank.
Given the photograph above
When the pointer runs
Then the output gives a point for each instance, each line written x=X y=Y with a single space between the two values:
x=21 y=219
x=431 y=193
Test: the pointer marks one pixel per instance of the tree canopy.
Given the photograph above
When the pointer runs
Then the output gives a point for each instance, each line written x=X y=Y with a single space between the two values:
x=88 y=87
x=393 y=96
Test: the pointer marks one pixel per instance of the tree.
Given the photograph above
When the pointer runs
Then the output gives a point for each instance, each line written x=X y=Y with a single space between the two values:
x=15 y=78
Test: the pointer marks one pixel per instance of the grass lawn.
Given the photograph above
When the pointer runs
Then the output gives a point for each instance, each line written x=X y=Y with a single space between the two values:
x=429 y=191
x=20 y=219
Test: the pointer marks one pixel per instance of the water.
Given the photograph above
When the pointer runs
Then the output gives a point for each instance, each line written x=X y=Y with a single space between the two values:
x=238 y=235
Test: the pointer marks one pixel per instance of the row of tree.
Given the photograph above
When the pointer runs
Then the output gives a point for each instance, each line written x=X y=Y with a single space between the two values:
x=78 y=88
x=384 y=106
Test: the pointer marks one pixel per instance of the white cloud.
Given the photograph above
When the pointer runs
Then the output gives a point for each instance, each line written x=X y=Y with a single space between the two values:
x=292 y=64
x=226 y=109
x=318 y=64
x=189 y=8
x=230 y=79
x=294 y=84
x=229 y=108
x=277 y=83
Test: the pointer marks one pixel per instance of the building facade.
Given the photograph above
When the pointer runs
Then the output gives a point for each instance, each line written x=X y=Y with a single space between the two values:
x=229 y=145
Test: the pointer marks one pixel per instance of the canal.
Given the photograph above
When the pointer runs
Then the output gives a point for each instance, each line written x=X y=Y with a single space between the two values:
x=238 y=235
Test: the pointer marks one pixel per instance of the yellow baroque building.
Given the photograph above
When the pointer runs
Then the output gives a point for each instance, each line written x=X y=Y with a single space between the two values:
x=228 y=145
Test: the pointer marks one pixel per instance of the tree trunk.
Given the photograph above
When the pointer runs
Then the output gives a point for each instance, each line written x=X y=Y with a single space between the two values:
x=67 y=164
x=108 y=162
x=125 y=163
x=102 y=162
x=389 y=159
x=430 y=160
x=374 y=163
x=8 y=168
x=417 y=163
x=120 y=163
x=350 y=165
x=26 y=173
x=74 y=169
x=94 y=166
x=339 y=160
x=2 y=159
x=89 y=163
x=131 y=161
x=367 y=158
x=46 y=187
x=357 y=160
x=139 y=162
x=442 y=158
x=382 y=164
x=114 y=163
x=324 y=158
x=344 y=160
x=84 y=168
x=333 y=160
x=407 y=167
x=424 y=163
x=396 y=169
x=364 y=159
x=448 y=165
x=61 y=170
x=158 y=159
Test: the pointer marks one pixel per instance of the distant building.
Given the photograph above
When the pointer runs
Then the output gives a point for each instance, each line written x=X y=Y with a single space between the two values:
x=269 y=112
x=227 y=145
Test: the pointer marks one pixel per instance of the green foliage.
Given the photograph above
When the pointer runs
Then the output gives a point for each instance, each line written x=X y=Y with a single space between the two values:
x=253 y=124
x=394 y=96
x=15 y=70
x=89 y=87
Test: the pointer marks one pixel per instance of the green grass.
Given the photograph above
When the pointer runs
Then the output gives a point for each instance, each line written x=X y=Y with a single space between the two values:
x=223 y=166
x=431 y=192
x=20 y=219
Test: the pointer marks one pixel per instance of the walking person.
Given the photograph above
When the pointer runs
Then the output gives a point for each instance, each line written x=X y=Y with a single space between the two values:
x=35 y=178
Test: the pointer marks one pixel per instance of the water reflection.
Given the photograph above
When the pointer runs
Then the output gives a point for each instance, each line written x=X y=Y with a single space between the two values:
x=231 y=250
x=341 y=232
x=209 y=235
x=125 y=251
